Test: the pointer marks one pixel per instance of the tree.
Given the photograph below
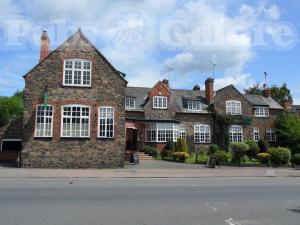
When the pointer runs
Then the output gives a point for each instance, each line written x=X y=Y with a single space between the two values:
x=4 y=117
x=288 y=130
x=279 y=94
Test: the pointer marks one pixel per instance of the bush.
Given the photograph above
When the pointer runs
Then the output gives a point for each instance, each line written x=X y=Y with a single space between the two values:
x=263 y=145
x=264 y=157
x=296 y=159
x=170 y=146
x=222 y=156
x=296 y=149
x=239 y=149
x=182 y=145
x=4 y=115
x=279 y=156
x=166 y=153
x=253 y=149
x=180 y=156
x=151 y=151
x=212 y=149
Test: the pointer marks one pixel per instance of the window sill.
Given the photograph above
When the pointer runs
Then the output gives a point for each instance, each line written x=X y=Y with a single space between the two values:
x=77 y=86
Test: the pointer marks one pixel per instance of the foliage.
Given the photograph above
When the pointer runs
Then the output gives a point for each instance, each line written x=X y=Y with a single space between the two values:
x=151 y=150
x=179 y=156
x=10 y=106
x=182 y=145
x=239 y=149
x=288 y=129
x=263 y=157
x=296 y=149
x=296 y=159
x=279 y=156
x=253 y=149
x=263 y=145
x=279 y=94
x=166 y=153
x=171 y=146
x=222 y=156
x=212 y=149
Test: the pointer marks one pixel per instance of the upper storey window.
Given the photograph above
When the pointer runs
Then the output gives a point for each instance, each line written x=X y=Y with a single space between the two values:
x=130 y=103
x=194 y=106
x=160 y=102
x=77 y=72
x=233 y=108
x=262 y=112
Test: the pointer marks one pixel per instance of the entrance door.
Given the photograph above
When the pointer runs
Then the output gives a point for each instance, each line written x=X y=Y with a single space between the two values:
x=131 y=139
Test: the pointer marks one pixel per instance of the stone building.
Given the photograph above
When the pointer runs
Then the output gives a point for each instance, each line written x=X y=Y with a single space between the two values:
x=74 y=113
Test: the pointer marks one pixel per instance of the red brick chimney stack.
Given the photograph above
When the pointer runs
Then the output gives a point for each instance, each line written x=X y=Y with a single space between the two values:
x=267 y=93
x=45 y=44
x=209 y=90
x=166 y=82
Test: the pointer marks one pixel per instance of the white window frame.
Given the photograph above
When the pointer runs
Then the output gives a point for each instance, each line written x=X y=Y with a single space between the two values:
x=129 y=103
x=271 y=135
x=194 y=106
x=202 y=133
x=152 y=131
x=233 y=108
x=182 y=131
x=44 y=124
x=160 y=102
x=236 y=133
x=81 y=117
x=256 y=135
x=106 y=124
x=73 y=69
x=262 y=111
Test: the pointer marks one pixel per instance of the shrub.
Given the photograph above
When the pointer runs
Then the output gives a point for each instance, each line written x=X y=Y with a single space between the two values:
x=180 y=156
x=253 y=149
x=170 y=146
x=296 y=159
x=263 y=145
x=279 y=156
x=182 y=145
x=212 y=149
x=238 y=149
x=264 y=157
x=222 y=156
x=166 y=153
x=151 y=150
x=296 y=149
x=4 y=115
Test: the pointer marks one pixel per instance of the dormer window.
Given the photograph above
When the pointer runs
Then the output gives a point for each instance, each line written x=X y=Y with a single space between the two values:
x=261 y=111
x=233 y=108
x=194 y=106
x=77 y=72
x=130 y=103
x=160 y=102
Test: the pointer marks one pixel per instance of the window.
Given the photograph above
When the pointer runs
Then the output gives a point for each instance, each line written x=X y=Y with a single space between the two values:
x=233 y=108
x=255 y=134
x=75 y=121
x=161 y=132
x=262 y=112
x=129 y=103
x=194 y=106
x=271 y=134
x=235 y=133
x=160 y=102
x=202 y=133
x=106 y=122
x=182 y=133
x=44 y=121
x=77 y=72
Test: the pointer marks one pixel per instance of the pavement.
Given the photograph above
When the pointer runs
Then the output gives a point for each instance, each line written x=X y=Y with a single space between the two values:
x=151 y=169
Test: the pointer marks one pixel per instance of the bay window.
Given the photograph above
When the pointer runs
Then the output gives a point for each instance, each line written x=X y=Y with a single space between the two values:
x=161 y=132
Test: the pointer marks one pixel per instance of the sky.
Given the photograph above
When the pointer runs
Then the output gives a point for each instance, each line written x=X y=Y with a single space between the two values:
x=149 y=40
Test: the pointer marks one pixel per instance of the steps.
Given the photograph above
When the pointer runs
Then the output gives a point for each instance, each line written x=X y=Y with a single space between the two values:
x=143 y=156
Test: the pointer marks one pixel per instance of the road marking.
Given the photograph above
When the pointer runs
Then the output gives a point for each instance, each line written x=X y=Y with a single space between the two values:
x=210 y=205
x=270 y=173
x=230 y=221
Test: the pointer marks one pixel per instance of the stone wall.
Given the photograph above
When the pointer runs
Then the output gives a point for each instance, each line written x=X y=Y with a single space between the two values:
x=107 y=89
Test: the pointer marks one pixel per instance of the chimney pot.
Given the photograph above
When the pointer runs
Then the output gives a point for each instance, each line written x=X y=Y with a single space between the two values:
x=45 y=44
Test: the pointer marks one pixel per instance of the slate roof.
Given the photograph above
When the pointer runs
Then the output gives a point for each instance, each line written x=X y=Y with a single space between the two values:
x=295 y=108
x=257 y=100
x=179 y=98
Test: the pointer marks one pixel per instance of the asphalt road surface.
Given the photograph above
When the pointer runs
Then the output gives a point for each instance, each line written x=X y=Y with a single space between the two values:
x=205 y=201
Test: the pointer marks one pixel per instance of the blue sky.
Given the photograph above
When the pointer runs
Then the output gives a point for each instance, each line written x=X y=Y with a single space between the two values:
x=152 y=39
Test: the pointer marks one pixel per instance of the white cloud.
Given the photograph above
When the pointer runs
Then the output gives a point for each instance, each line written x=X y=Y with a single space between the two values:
x=8 y=7
x=272 y=13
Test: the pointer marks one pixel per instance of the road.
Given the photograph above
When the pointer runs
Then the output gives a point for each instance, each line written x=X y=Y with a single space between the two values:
x=204 y=201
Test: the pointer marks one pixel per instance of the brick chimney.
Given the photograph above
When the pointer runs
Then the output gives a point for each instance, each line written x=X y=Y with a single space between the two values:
x=166 y=82
x=209 y=90
x=267 y=93
x=287 y=104
x=45 y=44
